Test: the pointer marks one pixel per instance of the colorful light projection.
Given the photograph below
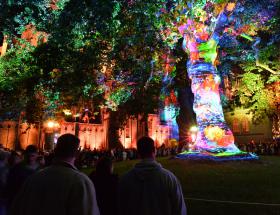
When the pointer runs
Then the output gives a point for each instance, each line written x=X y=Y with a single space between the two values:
x=214 y=137
x=168 y=116
x=169 y=107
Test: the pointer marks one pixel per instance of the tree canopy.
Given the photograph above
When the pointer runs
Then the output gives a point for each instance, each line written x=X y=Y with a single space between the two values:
x=247 y=38
x=113 y=53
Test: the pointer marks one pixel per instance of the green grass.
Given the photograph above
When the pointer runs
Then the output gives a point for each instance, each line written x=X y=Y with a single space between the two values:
x=240 y=181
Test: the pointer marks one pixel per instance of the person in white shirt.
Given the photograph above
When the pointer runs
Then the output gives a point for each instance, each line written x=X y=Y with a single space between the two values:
x=149 y=189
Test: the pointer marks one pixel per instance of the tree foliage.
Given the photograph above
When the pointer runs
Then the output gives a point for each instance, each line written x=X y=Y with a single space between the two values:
x=128 y=40
x=249 y=37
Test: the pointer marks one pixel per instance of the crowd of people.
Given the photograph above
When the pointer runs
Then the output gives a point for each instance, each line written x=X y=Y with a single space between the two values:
x=88 y=158
x=52 y=184
x=261 y=148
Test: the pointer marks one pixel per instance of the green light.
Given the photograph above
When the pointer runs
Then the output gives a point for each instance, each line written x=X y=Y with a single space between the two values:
x=208 y=50
x=247 y=37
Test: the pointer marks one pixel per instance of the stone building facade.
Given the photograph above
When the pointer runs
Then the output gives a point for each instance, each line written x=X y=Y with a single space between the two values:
x=91 y=135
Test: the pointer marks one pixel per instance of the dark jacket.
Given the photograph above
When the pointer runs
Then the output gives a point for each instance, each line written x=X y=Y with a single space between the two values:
x=106 y=186
x=57 y=190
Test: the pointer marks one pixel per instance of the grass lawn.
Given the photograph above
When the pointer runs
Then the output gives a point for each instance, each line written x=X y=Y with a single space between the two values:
x=239 y=181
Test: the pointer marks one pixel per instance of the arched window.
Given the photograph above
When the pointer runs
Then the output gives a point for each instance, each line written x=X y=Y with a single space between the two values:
x=245 y=125
x=235 y=126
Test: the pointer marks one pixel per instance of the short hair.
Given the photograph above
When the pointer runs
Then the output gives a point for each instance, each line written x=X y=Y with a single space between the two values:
x=30 y=149
x=145 y=146
x=67 y=146
x=104 y=165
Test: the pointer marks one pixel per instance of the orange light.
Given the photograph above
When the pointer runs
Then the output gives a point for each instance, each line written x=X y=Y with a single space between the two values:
x=230 y=6
x=50 y=124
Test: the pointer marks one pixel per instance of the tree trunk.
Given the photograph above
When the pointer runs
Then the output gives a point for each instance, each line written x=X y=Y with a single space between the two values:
x=213 y=133
x=186 y=117
x=113 y=130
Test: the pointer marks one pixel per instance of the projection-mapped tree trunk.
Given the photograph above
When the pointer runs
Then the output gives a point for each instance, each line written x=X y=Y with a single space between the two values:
x=213 y=133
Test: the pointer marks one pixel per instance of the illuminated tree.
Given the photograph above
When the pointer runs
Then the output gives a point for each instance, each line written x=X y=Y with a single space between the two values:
x=203 y=24
x=114 y=53
x=64 y=71
x=97 y=52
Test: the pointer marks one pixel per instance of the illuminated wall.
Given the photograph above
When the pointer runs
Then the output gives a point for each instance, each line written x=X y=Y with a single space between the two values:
x=91 y=135
x=129 y=134
x=158 y=132
x=243 y=128
x=28 y=134
x=135 y=128
x=168 y=121
x=8 y=134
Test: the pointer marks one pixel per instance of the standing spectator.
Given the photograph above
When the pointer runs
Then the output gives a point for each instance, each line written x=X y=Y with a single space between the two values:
x=106 y=184
x=4 y=169
x=252 y=145
x=124 y=155
x=19 y=173
x=148 y=188
x=59 y=189
x=14 y=159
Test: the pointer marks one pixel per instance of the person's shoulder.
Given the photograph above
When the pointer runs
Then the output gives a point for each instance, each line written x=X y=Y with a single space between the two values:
x=80 y=176
x=168 y=174
x=128 y=175
x=40 y=173
x=126 y=180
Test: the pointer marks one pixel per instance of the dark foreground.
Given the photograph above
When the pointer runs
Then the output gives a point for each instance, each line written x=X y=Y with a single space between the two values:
x=238 y=181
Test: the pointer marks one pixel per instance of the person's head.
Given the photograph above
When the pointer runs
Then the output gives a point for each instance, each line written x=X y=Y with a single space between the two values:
x=41 y=161
x=67 y=147
x=146 y=147
x=31 y=154
x=3 y=157
x=14 y=158
x=104 y=166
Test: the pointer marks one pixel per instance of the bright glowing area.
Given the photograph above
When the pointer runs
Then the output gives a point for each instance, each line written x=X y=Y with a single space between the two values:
x=193 y=137
x=194 y=129
x=52 y=124
x=168 y=115
x=67 y=112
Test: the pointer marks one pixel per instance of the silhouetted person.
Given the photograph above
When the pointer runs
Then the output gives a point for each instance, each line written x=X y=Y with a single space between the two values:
x=149 y=189
x=106 y=184
x=14 y=159
x=4 y=170
x=59 y=189
x=19 y=173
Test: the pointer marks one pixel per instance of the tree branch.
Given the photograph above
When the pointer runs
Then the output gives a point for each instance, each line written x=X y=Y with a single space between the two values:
x=264 y=66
